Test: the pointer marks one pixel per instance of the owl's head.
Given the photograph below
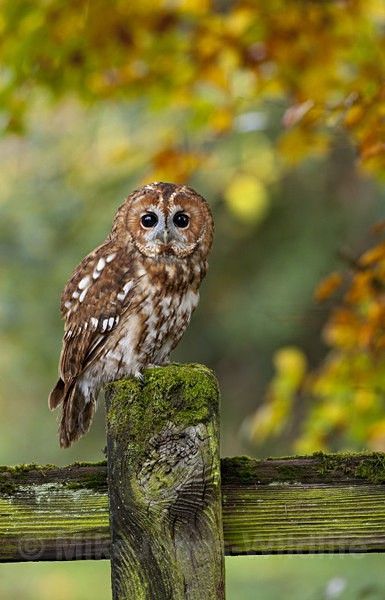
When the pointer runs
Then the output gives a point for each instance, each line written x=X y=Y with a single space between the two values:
x=164 y=220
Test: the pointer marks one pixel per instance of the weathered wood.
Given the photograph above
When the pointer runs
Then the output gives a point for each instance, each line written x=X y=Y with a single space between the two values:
x=50 y=513
x=342 y=468
x=319 y=503
x=164 y=486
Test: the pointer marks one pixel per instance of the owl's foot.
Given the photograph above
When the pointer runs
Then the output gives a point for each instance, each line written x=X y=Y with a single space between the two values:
x=164 y=363
x=139 y=376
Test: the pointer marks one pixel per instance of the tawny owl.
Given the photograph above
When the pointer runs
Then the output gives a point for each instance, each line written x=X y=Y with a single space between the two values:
x=129 y=301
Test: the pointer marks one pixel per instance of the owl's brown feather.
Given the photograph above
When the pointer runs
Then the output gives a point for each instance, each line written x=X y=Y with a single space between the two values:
x=129 y=301
x=57 y=394
x=86 y=329
x=76 y=416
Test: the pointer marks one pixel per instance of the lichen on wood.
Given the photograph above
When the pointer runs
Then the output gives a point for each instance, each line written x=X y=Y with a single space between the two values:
x=49 y=521
x=305 y=504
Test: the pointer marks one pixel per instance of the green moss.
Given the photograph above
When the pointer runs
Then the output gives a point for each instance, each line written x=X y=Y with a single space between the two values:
x=369 y=466
x=335 y=465
x=183 y=394
x=23 y=469
x=7 y=486
x=239 y=467
x=318 y=467
x=96 y=482
x=100 y=463
x=372 y=468
x=11 y=476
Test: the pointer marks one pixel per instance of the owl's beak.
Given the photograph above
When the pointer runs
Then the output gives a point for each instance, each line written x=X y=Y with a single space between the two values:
x=163 y=236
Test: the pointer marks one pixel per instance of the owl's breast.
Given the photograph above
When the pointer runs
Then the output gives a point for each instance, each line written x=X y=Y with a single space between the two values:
x=165 y=318
x=152 y=325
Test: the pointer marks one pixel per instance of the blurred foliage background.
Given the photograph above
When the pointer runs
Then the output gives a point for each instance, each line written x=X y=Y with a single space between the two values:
x=276 y=113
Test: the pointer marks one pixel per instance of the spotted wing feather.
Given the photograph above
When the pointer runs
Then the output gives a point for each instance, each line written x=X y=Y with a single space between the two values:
x=93 y=301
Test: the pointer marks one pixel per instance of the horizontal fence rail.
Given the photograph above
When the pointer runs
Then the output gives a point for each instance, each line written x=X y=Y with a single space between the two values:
x=315 y=504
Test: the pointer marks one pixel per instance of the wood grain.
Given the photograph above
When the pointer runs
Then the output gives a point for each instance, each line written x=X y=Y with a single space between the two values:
x=164 y=486
x=314 y=504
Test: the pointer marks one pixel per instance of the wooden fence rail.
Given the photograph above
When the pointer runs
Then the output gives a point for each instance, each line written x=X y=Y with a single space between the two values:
x=165 y=486
x=317 y=504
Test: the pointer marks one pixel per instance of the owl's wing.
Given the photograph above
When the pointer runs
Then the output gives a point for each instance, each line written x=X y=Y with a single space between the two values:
x=96 y=296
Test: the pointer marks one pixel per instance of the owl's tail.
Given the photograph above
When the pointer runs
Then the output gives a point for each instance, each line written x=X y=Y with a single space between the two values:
x=77 y=411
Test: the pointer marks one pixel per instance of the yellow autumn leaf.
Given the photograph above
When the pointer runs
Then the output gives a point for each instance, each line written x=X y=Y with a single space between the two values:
x=296 y=144
x=333 y=414
x=222 y=120
x=354 y=115
x=290 y=359
x=194 y=6
x=376 y=436
x=364 y=399
x=308 y=443
x=247 y=198
x=239 y=20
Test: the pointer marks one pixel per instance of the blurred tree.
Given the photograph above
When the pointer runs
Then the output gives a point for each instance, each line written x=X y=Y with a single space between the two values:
x=233 y=97
x=345 y=395
x=211 y=62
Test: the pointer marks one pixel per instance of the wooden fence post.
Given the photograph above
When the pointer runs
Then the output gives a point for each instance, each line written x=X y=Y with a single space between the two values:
x=164 y=486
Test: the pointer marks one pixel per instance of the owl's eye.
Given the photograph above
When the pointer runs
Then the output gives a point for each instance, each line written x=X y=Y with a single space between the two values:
x=149 y=220
x=181 y=220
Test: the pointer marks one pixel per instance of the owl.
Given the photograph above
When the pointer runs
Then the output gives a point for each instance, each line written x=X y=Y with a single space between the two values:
x=129 y=301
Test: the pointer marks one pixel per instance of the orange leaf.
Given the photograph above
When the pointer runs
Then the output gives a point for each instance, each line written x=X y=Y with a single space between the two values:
x=373 y=255
x=327 y=287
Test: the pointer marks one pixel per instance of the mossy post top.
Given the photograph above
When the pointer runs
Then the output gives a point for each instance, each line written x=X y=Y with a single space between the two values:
x=184 y=395
x=164 y=485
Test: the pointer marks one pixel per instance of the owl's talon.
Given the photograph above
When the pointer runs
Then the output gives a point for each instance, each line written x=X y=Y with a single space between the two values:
x=164 y=363
x=139 y=376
